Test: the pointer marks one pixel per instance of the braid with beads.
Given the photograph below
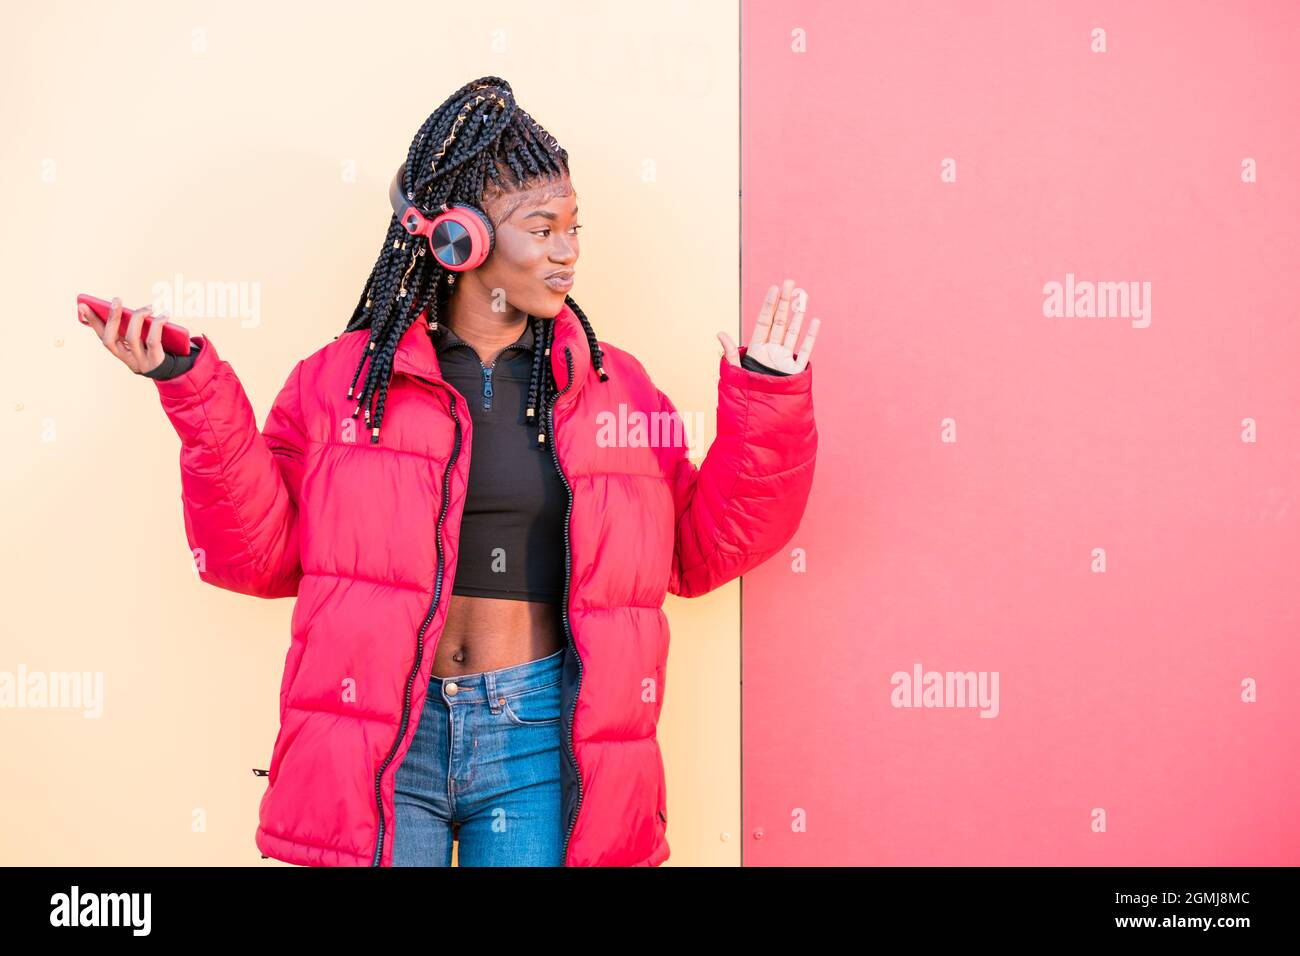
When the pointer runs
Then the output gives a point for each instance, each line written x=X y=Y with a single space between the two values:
x=478 y=131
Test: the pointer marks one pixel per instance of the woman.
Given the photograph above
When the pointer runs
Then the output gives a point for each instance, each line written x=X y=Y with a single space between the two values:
x=478 y=651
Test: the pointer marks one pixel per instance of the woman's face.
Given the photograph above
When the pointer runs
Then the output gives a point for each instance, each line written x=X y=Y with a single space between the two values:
x=536 y=237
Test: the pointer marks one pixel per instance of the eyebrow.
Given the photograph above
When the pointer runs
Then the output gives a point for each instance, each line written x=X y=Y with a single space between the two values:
x=547 y=214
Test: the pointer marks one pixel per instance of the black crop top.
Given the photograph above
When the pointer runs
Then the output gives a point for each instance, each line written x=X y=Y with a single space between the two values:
x=512 y=531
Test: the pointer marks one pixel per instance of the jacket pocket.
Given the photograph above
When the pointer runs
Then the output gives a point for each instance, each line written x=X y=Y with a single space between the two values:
x=260 y=772
x=661 y=810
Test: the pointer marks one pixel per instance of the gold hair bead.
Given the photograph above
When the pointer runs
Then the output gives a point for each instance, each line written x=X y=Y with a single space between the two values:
x=374 y=436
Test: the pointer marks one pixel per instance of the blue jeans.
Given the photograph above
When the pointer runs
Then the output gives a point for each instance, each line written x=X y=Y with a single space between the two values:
x=486 y=761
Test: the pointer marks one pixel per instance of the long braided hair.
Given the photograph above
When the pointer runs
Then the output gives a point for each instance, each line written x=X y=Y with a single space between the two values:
x=478 y=131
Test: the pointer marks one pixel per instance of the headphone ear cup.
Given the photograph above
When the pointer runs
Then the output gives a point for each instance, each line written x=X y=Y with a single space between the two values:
x=487 y=224
x=462 y=237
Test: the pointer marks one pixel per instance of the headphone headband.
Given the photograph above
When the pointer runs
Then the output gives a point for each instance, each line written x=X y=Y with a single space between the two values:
x=412 y=220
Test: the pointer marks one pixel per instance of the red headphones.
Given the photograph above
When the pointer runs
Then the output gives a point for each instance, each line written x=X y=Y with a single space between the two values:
x=460 y=236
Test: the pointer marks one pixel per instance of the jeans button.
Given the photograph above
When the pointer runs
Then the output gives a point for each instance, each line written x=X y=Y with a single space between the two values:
x=451 y=687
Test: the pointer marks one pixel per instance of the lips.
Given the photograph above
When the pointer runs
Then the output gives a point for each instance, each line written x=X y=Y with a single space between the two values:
x=560 y=281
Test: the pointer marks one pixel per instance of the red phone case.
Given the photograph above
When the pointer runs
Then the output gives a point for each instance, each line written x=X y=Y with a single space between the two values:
x=175 y=338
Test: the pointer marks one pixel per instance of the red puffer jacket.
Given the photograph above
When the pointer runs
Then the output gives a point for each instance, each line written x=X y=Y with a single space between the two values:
x=366 y=536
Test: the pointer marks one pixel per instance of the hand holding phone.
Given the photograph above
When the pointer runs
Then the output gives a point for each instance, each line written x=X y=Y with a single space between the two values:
x=138 y=342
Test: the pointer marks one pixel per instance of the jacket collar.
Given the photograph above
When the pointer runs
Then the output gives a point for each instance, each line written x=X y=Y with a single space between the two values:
x=416 y=355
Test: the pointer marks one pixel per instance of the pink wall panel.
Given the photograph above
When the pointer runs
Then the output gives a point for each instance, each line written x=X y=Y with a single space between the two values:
x=1100 y=511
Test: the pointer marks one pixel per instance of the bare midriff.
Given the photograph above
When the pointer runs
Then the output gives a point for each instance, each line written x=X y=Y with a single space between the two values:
x=487 y=634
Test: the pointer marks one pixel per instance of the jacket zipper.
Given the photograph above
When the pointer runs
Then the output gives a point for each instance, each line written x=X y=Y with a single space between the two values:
x=419 y=640
x=568 y=630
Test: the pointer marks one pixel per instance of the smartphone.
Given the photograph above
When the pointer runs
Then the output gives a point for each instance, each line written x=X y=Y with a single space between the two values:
x=175 y=338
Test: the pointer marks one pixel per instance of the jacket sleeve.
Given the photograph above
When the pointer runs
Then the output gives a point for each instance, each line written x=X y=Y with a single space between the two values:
x=239 y=486
x=746 y=499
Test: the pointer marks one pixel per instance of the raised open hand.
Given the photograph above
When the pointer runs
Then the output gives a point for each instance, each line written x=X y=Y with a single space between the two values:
x=776 y=333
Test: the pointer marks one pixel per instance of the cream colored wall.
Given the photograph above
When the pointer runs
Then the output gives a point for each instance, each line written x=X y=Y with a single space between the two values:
x=252 y=143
